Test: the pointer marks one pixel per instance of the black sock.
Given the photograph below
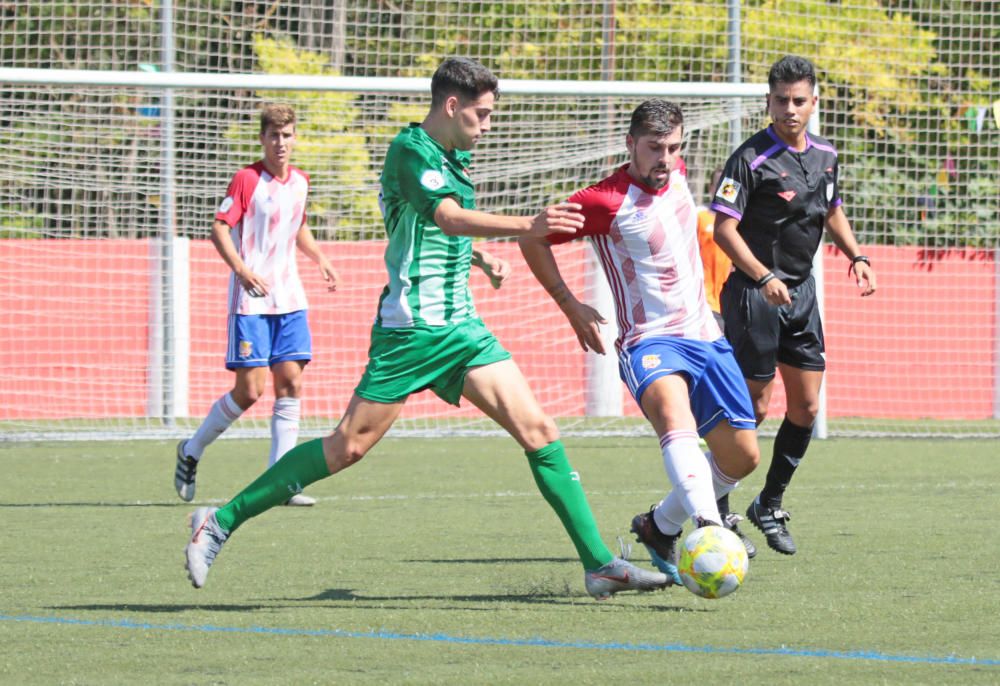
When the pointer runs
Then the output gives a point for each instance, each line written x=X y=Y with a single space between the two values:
x=723 y=504
x=789 y=447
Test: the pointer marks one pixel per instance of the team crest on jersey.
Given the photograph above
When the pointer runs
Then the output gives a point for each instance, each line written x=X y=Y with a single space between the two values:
x=729 y=189
x=246 y=349
x=226 y=204
x=432 y=180
x=650 y=361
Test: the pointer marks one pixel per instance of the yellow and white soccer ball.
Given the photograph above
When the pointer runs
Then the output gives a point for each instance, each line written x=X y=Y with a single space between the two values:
x=713 y=562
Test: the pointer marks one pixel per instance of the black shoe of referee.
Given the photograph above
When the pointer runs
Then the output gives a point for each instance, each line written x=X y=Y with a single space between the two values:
x=771 y=522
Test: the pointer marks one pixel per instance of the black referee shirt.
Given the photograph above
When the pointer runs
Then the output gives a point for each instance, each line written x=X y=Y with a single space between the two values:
x=781 y=198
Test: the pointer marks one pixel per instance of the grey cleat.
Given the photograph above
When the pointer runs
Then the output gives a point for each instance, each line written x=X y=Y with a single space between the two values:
x=187 y=468
x=206 y=542
x=622 y=575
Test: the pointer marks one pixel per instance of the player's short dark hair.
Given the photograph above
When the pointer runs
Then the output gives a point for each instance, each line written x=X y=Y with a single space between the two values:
x=791 y=69
x=276 y=114
x=655 y=117
x=463 y=77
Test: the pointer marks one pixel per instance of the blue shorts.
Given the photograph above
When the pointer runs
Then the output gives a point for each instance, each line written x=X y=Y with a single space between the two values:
x=718 y=390
x=263 y=340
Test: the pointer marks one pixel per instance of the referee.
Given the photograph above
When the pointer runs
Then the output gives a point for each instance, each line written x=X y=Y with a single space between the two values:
x=778 y=191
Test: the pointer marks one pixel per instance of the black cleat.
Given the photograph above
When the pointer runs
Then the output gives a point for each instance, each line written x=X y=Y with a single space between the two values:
x=184 y=474
x=662 y=548
x=732 y=523
x=771 y=522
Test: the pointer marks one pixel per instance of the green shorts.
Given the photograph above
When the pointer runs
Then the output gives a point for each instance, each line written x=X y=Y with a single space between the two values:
x=409 y=360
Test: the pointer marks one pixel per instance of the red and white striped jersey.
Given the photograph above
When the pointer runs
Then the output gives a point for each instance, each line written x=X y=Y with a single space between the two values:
x=647 y=243
x=265 y=215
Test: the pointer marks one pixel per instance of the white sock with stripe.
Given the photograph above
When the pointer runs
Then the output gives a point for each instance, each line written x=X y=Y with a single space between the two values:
x=284 y=427
x=690 y=473
x=224 y=412
x=723 y=483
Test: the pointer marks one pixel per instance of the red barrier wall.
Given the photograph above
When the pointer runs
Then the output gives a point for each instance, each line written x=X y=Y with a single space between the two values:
x=74 y=327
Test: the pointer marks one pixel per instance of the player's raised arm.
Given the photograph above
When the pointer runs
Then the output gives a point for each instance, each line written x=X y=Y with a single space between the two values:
x=455 y=220
x=585 y=320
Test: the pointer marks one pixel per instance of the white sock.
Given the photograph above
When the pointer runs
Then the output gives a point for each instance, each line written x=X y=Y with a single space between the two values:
x=284 y=427
x=669 y=516
x=224 y=412
x=722 y=482
x=690 y=474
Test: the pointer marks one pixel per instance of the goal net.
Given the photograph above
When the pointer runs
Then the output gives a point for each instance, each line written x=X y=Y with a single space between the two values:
x=115 y=315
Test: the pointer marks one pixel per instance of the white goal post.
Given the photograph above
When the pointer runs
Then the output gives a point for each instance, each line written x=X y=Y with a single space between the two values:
x=135 y=319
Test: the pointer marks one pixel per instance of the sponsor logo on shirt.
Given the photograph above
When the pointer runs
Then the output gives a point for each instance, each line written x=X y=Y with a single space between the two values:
x=227 y=202
x=787 y=195
x=729 y=189
x=432 y=180
x=650 y=361
x=246 y=349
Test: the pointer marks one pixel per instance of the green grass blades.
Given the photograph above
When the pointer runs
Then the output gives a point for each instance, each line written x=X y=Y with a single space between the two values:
x=436 y=561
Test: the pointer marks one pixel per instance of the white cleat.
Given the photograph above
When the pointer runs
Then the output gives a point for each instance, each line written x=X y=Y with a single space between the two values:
x=206 y=542
x=300 y=500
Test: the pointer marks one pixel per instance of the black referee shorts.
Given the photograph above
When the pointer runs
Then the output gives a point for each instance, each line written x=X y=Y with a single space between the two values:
x=763 y=335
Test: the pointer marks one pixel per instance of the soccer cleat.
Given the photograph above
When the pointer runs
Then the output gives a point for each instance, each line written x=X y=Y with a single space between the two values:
x=622 y=575
x=184 y=474
x=300 y=500
x=661 y=547
x=732 y=522
x=771 y=522
x=206 y=542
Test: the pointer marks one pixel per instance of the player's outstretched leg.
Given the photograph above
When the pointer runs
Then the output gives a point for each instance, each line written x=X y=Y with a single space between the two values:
x=622 y=575
x=206 y=541
x=771 y=522
x=662 y=547
x=184 y=474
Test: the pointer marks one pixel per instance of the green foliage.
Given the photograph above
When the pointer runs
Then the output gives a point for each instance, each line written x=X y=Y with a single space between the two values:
x=845 y=41
x=77 y=35
x=898 y=77
x=328 y=129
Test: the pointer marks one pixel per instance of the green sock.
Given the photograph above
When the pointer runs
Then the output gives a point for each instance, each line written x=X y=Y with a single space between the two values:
x=299 y=467
x=560 y=486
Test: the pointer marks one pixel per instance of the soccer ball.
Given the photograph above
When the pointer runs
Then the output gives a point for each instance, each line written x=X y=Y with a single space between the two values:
x=713 y=562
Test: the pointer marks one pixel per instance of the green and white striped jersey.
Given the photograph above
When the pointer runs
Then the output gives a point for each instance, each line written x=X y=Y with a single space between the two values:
x=428 y=270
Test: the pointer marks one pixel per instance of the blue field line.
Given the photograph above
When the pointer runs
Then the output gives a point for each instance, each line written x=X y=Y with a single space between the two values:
x=519 y=642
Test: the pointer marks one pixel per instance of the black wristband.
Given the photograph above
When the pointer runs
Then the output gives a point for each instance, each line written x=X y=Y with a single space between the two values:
x=764 y=279
x=861 y=258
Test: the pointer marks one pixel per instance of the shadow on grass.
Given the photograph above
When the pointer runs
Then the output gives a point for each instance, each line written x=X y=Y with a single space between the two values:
x=534 y=597
x=162 y=608
x=172 y=504
x=496 y=560
x=360 y=601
